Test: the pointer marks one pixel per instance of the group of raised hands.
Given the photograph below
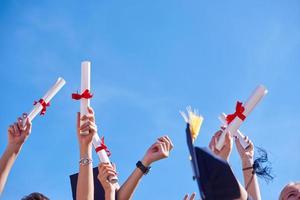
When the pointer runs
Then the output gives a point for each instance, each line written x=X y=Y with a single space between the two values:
x=19 y=132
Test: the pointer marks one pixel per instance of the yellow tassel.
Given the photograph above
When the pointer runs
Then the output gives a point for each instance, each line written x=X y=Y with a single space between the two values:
x=194 y=120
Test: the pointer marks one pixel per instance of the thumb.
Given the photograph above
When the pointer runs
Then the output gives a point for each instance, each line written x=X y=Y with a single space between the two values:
x=186 y=197
x=228 y=138
x=238 y=144
x=193 y=196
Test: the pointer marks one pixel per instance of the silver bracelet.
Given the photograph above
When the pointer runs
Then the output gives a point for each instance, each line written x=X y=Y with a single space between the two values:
x=85 y=161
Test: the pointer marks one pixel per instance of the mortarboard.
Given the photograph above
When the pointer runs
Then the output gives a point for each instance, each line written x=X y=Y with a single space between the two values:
x=214 y=176
x=98 y=189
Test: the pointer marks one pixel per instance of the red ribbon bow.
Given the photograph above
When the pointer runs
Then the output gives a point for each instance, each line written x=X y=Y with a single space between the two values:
x=103 y=146
x=85 y=95
x=44 y=105
x=239 y=109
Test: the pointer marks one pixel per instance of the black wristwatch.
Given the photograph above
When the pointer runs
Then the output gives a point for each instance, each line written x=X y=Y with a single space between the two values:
x=143 y=168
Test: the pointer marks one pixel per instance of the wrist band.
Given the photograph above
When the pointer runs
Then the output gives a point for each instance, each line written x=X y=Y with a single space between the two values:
x=247 y=168
x=85 y=161
x=142 y=167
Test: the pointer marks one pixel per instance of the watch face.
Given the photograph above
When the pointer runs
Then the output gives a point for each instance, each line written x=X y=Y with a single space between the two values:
x=85 y=161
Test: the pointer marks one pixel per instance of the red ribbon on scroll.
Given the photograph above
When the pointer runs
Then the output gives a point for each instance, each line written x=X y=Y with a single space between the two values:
x=239 y=109
x=103 y=147
x=85 y=95
x=44 y=105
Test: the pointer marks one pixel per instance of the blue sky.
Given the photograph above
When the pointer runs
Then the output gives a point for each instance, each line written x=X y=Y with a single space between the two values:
x=150 y=59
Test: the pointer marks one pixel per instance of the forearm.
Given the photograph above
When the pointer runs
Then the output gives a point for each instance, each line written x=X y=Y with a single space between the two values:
x=85 y=183
x=7 y=160
x=250 y=180
x=127 y=189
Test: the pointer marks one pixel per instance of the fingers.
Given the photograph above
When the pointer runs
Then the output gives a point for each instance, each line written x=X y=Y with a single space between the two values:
x=218 y=134
x=89 y=127
x=11 y=130
x=228 y=139
x=20 y=123
x=251 y=145
x=105 y=170
x=159 y=148
x=16 y=129
x=212 y=143
x=167 y=141
x=91 y=110
x=88 y=117
x=193 y=196
x=214 y=140
x=186 y=197
x=238 y=144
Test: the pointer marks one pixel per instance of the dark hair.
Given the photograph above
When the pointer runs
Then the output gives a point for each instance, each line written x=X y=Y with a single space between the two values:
x=262 y=166
x=35 y=196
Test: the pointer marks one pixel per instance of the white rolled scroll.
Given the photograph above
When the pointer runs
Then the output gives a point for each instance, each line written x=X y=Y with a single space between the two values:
x=84 y=103
x=233 y=126
x=46 y=98
x=103 y=157
x=237 y=134
x=85 y=85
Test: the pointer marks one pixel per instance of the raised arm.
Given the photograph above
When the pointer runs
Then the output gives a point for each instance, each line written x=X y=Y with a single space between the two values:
x=159 y=150
x=17 y=135
x=85 y=182
x=106 y=170
x=250 y=178
x=225 y=152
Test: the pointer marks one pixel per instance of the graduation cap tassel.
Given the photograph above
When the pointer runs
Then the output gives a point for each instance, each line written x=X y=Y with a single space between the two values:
x=193 y=124
x=261 y=170
x=194 y=120
x=258 y=167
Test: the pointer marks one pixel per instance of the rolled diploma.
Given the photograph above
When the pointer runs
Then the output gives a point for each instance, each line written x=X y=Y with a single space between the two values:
x=85 y=84
x=238 y=133
x=253 y=100
x=103 y=156
x=47 y=98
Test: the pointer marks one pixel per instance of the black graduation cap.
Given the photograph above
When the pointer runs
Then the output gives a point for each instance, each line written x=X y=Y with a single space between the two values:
x=214 y=176
x=98 y=189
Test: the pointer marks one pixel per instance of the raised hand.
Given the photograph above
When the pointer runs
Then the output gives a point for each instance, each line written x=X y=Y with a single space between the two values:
x=224 y=153
x=106 y=170
x=247 y=155
x=17 y=133
x=89 y=126
x=159 y=150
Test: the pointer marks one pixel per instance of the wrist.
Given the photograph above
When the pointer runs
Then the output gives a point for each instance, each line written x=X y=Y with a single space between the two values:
x=247 y=162
x=13 y=148
x=86 y=151
x=108 y=189
x=109 y=193
x=146 y=162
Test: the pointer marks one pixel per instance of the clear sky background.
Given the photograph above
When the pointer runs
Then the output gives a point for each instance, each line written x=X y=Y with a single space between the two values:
x=150 y=59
